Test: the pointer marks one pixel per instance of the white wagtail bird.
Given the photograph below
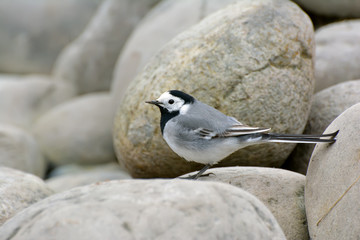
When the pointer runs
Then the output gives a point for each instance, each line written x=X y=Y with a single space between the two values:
x=202 y=134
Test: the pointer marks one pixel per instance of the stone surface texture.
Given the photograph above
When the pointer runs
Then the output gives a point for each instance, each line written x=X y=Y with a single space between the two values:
x=255 y=55
x=78 y=131
x=146 y=209
x=332 y=189
x=19 y=190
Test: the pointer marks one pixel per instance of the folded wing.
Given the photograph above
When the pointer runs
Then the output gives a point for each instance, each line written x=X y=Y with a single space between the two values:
x=232 y=131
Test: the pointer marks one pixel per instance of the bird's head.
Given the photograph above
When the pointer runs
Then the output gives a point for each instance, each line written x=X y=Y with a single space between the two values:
x=173 y=101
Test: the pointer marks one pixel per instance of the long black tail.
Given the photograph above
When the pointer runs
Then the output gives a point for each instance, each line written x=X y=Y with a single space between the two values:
x=302 y=138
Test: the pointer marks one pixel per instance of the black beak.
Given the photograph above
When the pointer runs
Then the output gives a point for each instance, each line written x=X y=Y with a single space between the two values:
x=155 y=102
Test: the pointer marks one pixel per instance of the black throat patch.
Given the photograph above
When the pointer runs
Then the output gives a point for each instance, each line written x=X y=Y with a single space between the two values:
x=165 y=117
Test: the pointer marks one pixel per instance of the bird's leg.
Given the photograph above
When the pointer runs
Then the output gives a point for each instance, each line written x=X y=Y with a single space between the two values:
x=198 y=174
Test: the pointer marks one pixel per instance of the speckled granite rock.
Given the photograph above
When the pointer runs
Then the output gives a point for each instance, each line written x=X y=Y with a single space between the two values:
x=255 y=55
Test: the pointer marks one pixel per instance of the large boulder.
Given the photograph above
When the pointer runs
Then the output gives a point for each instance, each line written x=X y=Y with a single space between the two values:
x=160 y=25
x=19 y=150
x=281 y=191
x=332 y=189
x=78 y=131
x=19 y=190
x=24 y=98
x=337 y=53
x=32 y=33
x=251 y=60
x=87 y=63
x=327 y=105
x=146 y=209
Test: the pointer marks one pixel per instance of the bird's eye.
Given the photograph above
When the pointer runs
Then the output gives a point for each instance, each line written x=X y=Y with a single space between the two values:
x=171 y=101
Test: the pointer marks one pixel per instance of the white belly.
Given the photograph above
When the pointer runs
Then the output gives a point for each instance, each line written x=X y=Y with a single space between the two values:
x=212 y=154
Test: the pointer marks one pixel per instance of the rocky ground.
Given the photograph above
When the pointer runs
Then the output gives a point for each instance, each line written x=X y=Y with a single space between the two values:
x=82 y=156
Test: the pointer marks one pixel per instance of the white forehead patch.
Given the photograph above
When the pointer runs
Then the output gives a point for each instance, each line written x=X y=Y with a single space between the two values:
x=165 y=97
x=176 y=105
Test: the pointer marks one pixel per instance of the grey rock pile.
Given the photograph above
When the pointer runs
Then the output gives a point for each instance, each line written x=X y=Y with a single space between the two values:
x=75 y=129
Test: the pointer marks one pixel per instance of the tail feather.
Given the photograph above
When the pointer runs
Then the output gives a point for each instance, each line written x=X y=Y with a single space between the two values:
x=299 y=138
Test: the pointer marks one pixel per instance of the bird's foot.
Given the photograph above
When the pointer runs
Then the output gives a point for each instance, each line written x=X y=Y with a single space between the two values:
x=198 y=174
x=195 y=176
